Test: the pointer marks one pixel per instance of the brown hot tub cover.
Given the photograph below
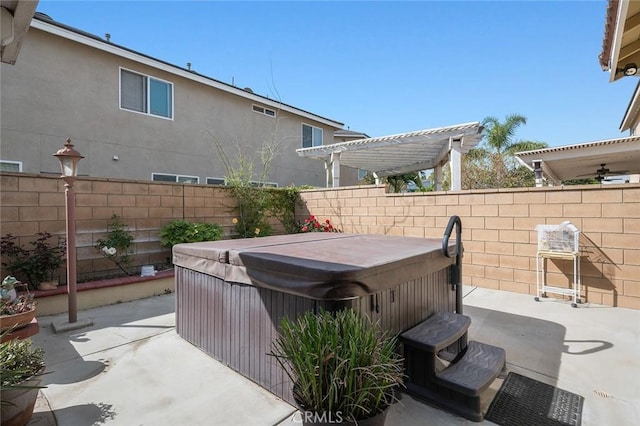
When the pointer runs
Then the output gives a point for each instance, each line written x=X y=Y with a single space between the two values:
x=321 y=266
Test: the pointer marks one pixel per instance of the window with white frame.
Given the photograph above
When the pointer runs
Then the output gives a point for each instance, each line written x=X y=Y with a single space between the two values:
x=10 y=166
x=311 y=136
x=254 y=183
x=145 y=94
x=216 y=181
x=262 y=110
x=260 y=184
x=165 y=177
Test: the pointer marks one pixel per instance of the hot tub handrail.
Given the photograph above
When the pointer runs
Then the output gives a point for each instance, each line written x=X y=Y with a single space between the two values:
x=456 y=270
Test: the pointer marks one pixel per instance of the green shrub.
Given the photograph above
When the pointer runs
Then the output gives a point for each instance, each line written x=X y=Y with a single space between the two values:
x=35 y=265
x=183 y=231
x=339 y=363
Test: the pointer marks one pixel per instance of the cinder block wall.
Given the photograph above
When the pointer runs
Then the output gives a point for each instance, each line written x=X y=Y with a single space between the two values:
x=499 y=231
x=32 y=203
x=498 y=225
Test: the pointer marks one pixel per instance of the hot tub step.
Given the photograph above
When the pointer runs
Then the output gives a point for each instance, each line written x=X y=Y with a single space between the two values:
x=475 y=371
x=437 y=332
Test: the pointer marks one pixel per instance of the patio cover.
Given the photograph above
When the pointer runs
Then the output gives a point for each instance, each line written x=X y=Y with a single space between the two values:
x=583 y=160
x=401 y=153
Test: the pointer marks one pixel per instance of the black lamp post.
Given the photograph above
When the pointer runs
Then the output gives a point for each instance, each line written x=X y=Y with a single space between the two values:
x=69 y=159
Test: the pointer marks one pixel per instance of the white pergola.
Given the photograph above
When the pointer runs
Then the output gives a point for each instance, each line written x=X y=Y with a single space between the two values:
x=402 y=153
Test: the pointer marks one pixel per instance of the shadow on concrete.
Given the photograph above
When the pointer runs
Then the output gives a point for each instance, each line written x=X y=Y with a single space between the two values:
x=76 y=370
x=597 y=269
x=91 y=414
x=120 y=325
x=591 y=346
x=531 y=344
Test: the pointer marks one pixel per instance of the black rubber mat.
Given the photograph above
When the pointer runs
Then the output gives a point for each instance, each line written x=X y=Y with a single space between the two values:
x=522 y=401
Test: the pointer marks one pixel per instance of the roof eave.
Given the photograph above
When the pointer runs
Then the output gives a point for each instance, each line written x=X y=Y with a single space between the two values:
x=69 y=33
x=21 y=16
x=616 y=44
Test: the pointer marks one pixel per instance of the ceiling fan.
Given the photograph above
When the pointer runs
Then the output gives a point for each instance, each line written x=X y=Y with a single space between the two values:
x=602 y=172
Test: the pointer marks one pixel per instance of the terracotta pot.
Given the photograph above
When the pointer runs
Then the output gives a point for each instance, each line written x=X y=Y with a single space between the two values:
x=7 y=322
x=18 y=404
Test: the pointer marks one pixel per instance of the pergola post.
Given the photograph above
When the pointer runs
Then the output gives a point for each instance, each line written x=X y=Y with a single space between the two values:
x=438 y=176
x=377 y=178
x=327 y=172
x=455 y=162
x=335 y=169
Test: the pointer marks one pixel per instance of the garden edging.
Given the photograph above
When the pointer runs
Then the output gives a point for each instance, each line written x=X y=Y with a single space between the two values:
x=105 y=292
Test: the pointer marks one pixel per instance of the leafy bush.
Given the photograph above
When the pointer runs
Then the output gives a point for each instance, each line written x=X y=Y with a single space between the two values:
x=311 y=224
x=34 y=265
x=339 y=362
x=182 y=231
x=281 y=204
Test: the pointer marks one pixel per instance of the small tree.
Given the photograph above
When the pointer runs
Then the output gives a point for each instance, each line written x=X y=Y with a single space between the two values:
x=117 y=245
x=255 y=202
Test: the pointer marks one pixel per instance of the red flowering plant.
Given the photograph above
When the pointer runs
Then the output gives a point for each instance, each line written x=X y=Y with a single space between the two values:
x=311 y=224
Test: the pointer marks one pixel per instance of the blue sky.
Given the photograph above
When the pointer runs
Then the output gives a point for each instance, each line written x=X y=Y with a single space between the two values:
x=388 y=67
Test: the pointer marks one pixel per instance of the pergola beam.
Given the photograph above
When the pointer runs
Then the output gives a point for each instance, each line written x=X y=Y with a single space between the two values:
x=396 y=154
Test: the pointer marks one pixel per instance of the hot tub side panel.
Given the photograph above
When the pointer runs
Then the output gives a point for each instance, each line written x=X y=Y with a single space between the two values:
x=237 y=323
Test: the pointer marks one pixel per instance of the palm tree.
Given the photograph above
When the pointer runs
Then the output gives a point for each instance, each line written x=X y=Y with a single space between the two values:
x=495 y=162
x=499 y=136
x=398 y=183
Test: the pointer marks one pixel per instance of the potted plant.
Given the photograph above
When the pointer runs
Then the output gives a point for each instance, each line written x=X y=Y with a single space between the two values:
x=33 y=266
x=21 y=369
x=16 y=311
x=344 y=369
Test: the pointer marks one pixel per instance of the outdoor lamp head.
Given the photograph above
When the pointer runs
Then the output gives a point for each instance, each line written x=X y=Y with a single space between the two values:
x=69 y=159
x=630 y=69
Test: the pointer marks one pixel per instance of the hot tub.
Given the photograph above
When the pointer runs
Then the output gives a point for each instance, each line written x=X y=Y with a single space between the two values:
x=232 y=294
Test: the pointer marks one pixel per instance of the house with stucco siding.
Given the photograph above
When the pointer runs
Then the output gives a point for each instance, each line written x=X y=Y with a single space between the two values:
x=137 y=117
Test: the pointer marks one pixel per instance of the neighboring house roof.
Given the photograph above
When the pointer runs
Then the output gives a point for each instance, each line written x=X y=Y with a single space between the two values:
x=621 y=40
x=47 y=24
x=401 y=153
x=16 y=16
x=344 y=133
x=583 y=160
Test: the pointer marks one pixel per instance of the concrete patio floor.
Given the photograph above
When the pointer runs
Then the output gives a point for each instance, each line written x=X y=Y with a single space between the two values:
x=130 y=367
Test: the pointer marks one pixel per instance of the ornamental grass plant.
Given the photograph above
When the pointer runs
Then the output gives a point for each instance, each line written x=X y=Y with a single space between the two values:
x=19 y=361
x=339 y=362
